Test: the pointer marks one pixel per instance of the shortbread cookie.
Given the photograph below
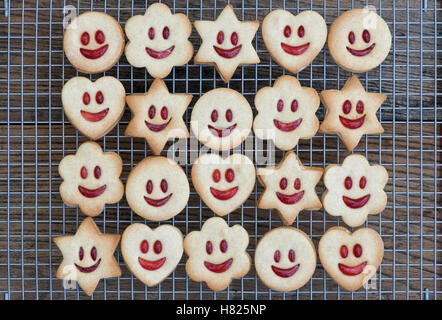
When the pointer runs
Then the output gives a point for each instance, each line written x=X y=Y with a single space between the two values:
x=217 y=253
x=158 y=40
x=157 y=115
x=294 y=41
x=286 y=112
x=354 y=189
x=221 y=119
x=93 y=42
x=351 y=112
x=285 y=259
x=223 y=183
x=359 y=40
x=289 y=188
x=94 y=108
x=88 y=256
x=227 y=43
x=91 y=178
x=157 y=188
x=351 y=259
x=151 y=254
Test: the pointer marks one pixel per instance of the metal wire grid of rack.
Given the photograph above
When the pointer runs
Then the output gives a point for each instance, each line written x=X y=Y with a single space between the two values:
x=35 y=135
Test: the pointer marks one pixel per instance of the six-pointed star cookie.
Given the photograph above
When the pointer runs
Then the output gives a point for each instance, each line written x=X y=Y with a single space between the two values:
x=88 y=256
x=289 y=187
x=158 y=115
x=227 y=42
x=351 y=112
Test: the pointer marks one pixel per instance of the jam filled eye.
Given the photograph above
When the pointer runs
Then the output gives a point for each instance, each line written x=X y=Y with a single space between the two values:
x=83 y=172
x=214 y=116
x=164 y=113
x=348 y=183
x=287 y=31
x=209 y=247
x=86 y=98
x=84 y=38
x=357 y=250
x=149 y=187
x=151 y=112
x=99 y=98
x=151 y=33
x=144 y=246
x=229 y=115
x=223 y=246
x=99 y=37
x=277 y=256
x=216 y=175
x=97 y=172
x=166 y=33
x=362 y=182
x=294 y=105
x=346 y=107
x=283 y=183
x=297 y=184
x=343 y=251
x=80 y=253
x=360 y=107
x=366 y=36
x=157 y=247
x=163 y=185
x=229 y=175
x=280 y=105
x=234 y=38
x=94 y=253
x=220 y=37
x=351 y=37
x=301 y=31
x=292 y=255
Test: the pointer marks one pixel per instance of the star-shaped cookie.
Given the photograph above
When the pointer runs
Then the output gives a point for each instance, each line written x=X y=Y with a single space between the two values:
x=88 y=256
x=227 y=43
x=289 y=187
x=351 y=112
x=157 y=115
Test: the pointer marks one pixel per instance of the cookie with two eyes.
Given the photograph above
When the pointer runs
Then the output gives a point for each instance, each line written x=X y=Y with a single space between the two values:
x=294 y=41
x=227 y=43
x=217 y=253
x=157 y=115
x=91 y=178
x=88 y=256
x=289 y=188
x=355 y=189
x=158 y=40
x=286 y=113
x=351 y=112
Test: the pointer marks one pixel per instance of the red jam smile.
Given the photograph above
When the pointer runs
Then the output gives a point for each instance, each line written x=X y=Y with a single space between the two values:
x=151 y=265
x=224 y=194
x=356 y=203
x=157 y=202
x=88 y=269
x=352 y=271
x=159 y=54
x=94 y=117
x=285 y=273
x=228 y=53
x=290 y=198
x=361 y=53
x=295 y=50
x=94 y=54
x=287 y=126
x=352 y=124
x=91 y=193
x=156 y=127
x=220 y=267
x=221 y=133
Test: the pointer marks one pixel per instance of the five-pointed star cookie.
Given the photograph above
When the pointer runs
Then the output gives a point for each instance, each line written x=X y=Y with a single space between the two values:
x=158 y=115
x=289 y=188
x=227 y=42
x=351 y=112
x=88 y=256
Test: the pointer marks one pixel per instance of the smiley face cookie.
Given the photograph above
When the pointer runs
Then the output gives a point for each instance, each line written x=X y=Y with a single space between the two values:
x=289 y=188
x=286 y=113
x=294 y=41
x=223 y=184
x=221 y=119
x=88 y=256
x=351 y=259
x=158 y=40
x=157 y=115
x=91 y=178
x=94 y=108
x=359 y=40
x=285 y=259
x=151 y=254
x=93 y=42
x=227 y=43
x=355 y=189
x=217 y=253
x=157 y=188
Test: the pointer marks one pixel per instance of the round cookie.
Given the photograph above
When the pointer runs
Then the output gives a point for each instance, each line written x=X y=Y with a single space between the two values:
x=93 y=42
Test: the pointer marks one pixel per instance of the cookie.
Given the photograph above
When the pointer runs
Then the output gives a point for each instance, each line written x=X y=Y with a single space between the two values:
x=294 y=41
x=359 y=40
x=157 y=115
x=223 y=183
x=351 y=112
x=227 y=43
x=351 y=259
x=289 y=188
x=217 y=253
x=221 y=119
x=286 y=113
x=91 y=178
x=158 y=40
x=285 y=259
x=93 y=42
x=355 y=189
x=88 y=256
x=157 y=188
x=151 y=254
x=94 y=108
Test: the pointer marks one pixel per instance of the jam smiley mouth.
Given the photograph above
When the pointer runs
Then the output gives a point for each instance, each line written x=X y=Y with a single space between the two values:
x=285 y=273
x=159 y=54
x=94 y=54
x=224 y=194
x=88 y=269
x=91 y=193
x=158 y=202
x=220 y=267
x=356 y=203
x=361 y=53
x=352 y=123
x=290 y=198
x=156 y=127
x=221 y=133
x=151 y=265
x=94 y=117
x=228 y=53
x=287 y=126
x=295 y=50
x=352 y=271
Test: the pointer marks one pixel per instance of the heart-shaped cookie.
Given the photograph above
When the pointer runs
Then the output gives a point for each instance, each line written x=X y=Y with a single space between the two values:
x=151 y=254
x=351 y=259
x=94 y=108
x=223 y=184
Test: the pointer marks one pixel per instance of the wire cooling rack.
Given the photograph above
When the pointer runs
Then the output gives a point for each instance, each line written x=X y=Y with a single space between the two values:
x=35 y=135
